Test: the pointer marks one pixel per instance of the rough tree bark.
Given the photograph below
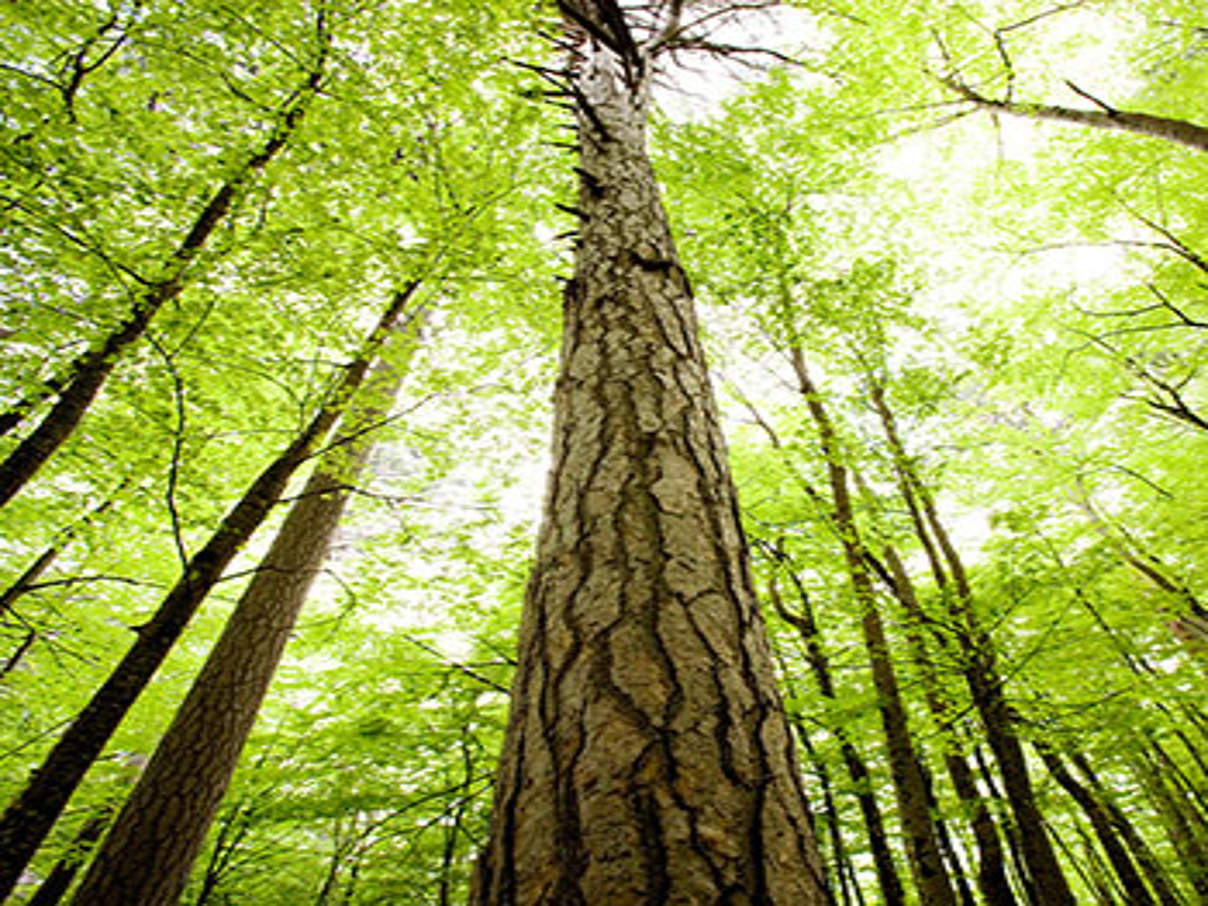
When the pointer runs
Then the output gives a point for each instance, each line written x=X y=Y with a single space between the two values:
x=647 y=757
x=89 y=372
x=147 y=855
x=30 y=817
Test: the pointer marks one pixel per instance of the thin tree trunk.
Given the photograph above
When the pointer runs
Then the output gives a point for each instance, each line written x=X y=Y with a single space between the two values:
x=89 y=372
x=1101 y=824
x=844 y=871
x=1173 y=810
x=647 y=757
x=1155 y=872
x=51 y=890
x=922 y=846
x=30 y=817
x=147 y=856
x=46 y=559
x=888 y=881
x=991 y=876
x=979 y=667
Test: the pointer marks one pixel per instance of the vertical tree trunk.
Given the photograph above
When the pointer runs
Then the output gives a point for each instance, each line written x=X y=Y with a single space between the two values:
x=30 y=817
x=147 y=856
x=991 y=876
x=1100 y=823
x=803 y=621
x=647 y=757
x=979 y=667
x=922 y=845
x=88 y=373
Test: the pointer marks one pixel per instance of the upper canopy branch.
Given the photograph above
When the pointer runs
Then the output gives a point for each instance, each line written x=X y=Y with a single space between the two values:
x=637 y=33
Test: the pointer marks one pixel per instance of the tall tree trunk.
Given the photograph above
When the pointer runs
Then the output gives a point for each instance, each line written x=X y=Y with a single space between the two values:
x=1179 y=826
x=647 y=757
x=147 y=856
x=806 y=625
x=30 y=817
x=922 y=844
x=991 y=875
x=1155 y=872
x=1101 y=824
x=979 y=666
x=88 y=373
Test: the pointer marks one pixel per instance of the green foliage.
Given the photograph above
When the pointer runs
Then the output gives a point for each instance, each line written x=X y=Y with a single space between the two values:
x=1029 y=297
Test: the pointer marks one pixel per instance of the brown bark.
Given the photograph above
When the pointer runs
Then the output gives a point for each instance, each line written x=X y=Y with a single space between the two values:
x=991 y=876
x=1101 y=824
x=647 y=757
x=89 y=372
x=30 y=817
x=147 y=856
x=979 y=666
x=803 y=621
x=922 y=845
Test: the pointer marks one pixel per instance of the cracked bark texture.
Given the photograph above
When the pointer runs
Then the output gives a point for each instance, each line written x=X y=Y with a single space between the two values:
x=147 y=856
x=647 y=757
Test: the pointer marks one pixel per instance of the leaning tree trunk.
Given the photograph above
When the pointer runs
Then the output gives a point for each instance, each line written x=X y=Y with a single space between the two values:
x=147 y=856
x=89 y=372
x=647 y=757
x=30 y=817
x=1100 y=821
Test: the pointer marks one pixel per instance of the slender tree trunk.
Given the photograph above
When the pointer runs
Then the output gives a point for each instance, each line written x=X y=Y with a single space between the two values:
x=1155 y=872
x=30 y=817
x=46 y=559
x=1173 y=808
x=24 y=582
x=1101 y=824
x=991 y=876
x=88 y=373
x=647 y=757
x=804 y=622
x=979 y=667
x=51 y=890
x=844 y=871
x=922 y=845
x=147 y=856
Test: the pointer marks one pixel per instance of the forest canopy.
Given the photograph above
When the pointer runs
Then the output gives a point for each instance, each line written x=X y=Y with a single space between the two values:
x=279 y=271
